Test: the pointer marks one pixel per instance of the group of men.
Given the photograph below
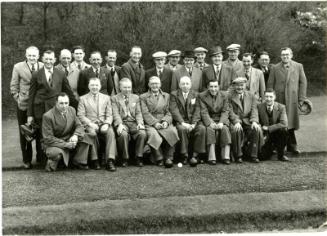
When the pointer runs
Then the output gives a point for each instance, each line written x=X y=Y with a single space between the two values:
x=89 y=115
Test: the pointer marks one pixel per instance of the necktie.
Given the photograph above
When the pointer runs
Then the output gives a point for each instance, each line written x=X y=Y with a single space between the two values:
x=66 y=71
x=190 y=72
x=159 y=73
x=185 y=96
x=217 y=72
x=50 y=78
x=126 y=101
x=96 y=102
x=64 y=115
x=112 y=72
x=79 y=66
x=33 y=68
x=242 y=100
x=269 y=108
x=287 y=66
x=97 y=73
x=247 y=76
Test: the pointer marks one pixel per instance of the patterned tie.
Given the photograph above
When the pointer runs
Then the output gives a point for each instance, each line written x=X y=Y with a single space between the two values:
x=66 y=71
x=33 y=68
x=50 y=78
x=247 y=76
x=97 y=73
x=217 y=72
x=159 y=73
x=190 y=72
x=126 y=101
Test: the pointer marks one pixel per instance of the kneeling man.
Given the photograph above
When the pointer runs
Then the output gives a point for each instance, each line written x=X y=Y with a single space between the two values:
x=186 y=114
x=128 y=121
x=62 y=133
x=162 y=135
x=273 y=119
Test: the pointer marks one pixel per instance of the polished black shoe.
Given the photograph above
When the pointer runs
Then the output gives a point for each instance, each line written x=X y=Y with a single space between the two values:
x=110 y=166
x=184 y=160
x=239 y=160
x=283 y=158
x=81 y=166
x=212 y=162
x=160 y=163
x=226 y=161
x=139 y=162
x=168 y=163
x=124 y=164
x=27 y=166
x=96 y=165
x=255 y=160
x=294 y=150
x=193 y=162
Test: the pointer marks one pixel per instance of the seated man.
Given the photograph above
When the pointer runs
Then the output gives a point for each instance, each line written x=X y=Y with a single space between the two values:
x=162 y=135
x=128 y=121
x=273 y=118
x=186 y=114
x=63 y=132
x=214 y=114
x=245 y=131
x=95 y=113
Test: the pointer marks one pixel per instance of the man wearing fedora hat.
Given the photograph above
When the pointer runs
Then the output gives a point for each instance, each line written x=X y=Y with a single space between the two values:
x=218 y=71
x=173 y=58
x=189 y=70
x=233 y=61
x=165 y=74
x=200 y=53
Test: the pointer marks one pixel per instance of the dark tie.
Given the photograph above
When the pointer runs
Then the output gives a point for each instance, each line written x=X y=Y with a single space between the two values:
x=242 y=100
x=269 y=109
x=66 y=71
x=50 y=78
x=79 y=66
x=97 y=73
x=33 y=68
x=126 y=101
x=64 y=115
x=247 y=75
x=159 y=73
x=112 y=72
x=190 y=72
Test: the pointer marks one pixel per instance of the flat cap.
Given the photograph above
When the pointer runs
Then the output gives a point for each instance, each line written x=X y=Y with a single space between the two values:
x=200 y=49
x=174 y=53
x=239 y=80
x=159 y=54
x=233 y=46
x=306 y=107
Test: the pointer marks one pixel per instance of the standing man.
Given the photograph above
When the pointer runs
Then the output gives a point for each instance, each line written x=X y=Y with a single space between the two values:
x=94 y=71
x=189 y=70
x=233 y=61
x=288 y=80
x=218 y=71
x=46 y=84
x=19 y=89
x=173 y=59
x=128 y=122
x=160 y=71
x=255 y=79
x=134 y=70
x=162 y=135
x=185 y=111
x=273 y=118
x=263 y=65
x=200 y=54
x=95 y=113
x=114 y=72
x=79 y=54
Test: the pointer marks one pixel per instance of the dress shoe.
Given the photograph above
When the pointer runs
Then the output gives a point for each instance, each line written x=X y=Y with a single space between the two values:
x=80 y=166
x=27 y=166
x=255 y=160
x=124 y=164
x=96 y=165
x=226 y=161
x=184 y=160
x=193 y=162
x=168 y=163
x=239 y=160
x=212 y=162
x=294 y=150
x=139 y=162
x=110 y=166
x=160 y=163
x=283 y=158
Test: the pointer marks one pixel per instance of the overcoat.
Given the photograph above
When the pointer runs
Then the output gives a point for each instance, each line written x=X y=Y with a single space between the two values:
x=73 y=75
x=237 y=65
x=165 y=78
x=196 y=78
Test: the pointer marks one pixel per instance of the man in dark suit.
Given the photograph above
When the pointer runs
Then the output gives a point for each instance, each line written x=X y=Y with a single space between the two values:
x=134 y=70
x=218 y=71
x=185 y=111
x=19 y=89
x=159 y=70
x=114 y=72
x=94 y=71
x=263 y=65
x=273 y=119
x=46 y=84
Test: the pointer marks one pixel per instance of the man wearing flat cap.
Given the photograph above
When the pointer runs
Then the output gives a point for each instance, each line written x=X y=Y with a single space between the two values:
x=189 y=70
x=165 y=74
x=200 y=54
x=233 y=61
x=218 y=71
x=245 y=129
x=173 y=58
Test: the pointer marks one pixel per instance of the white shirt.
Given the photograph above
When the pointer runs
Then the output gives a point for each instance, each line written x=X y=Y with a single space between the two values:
x=159 y=71
x=217 y=68
x=48 y=73
x=185 y=95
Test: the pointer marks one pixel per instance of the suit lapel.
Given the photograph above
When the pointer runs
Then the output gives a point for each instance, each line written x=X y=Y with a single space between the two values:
x=275 y=113
x=180 y=97
x=236 y=100
x=92 y=103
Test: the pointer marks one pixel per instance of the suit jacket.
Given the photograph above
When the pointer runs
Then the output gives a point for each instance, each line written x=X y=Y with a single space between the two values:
x=42 y=97
x=84 y=65
x=196 y=78
x=136 y=74
x=265 y=72
x=113 y=86
x=256 y=82
x=237 y=65
x=84 y=77
x=184 y=111
x=244 y=114
x=197 y=65
x=20 y=83
x=121 y=113
x=168 y=66
x=290 y=87
x=226 y=76
x=73 y=75
x=90 y=111
x=279 y=116
x=165 y=78
x=214 y=110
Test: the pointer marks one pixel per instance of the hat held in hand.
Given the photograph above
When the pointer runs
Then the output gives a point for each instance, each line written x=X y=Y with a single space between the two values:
x=306 y=107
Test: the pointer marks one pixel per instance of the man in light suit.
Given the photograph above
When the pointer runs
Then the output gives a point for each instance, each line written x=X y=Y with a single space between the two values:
x=273 y=118
x=19 y=89
x=189 y=70
x=214 y=114
x=159 y=70
x=218 y=71
x=133 y=69
x=162 y=135
x=263 y=65
x=63 y=133
x=255 y=79
x=128 y=122
x=245 y=130
x=46 y=84
x=114 y=72
x=94 y=71
x=95 y=113
x=200 y=54
x=288 y=80
x=233 y=61
x=173 y=59
x=71 y=73
x=79 y=54
x=185 y=111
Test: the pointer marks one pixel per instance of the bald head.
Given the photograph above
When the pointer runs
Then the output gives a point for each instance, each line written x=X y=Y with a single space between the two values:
x=65 y=57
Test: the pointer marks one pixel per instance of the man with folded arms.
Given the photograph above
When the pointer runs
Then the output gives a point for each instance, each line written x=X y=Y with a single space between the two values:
x=185 y=111
x=128 y=121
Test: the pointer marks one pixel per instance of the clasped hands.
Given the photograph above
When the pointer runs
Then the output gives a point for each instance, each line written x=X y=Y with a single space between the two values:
x=163 y=125
x=216 y=126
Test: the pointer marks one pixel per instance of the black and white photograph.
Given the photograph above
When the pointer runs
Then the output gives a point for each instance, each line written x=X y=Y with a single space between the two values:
x=164 y=117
